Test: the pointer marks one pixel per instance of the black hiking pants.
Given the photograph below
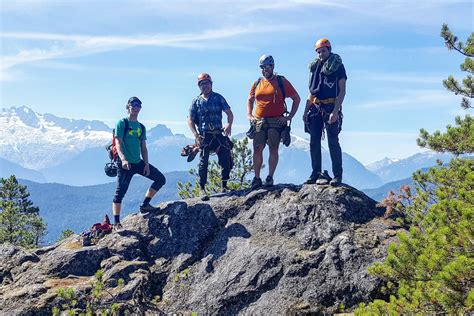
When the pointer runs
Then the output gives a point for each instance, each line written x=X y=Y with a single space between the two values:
x=318 y=121
x=124 y=177
x=219 y=144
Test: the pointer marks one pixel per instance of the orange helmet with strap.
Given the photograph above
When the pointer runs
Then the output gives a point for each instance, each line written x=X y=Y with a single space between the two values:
x=204 y=76
x=323 y=42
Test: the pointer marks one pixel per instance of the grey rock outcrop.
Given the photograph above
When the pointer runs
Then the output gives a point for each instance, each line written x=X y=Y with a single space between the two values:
x=290 y=249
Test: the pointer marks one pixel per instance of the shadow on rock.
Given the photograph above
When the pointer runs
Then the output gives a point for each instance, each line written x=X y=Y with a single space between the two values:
x=182 y=230
x=219 y=248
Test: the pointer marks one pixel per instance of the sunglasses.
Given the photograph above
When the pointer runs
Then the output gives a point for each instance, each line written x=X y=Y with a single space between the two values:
x=266 y=66
x=203 y=82
x=135 y=105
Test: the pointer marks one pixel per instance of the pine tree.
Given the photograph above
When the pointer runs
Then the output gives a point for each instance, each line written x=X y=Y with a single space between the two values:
x=65 y=234
x=458 y=139
x=20 y=223
x=239 y=175
x=431 y=268
x=467 y=88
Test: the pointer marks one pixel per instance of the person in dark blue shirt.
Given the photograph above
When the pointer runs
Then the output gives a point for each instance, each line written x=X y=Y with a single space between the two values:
x=327 y=89
x=206 y=113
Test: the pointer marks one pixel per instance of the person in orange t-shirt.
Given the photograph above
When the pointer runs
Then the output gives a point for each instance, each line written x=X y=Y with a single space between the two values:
x=269 y=116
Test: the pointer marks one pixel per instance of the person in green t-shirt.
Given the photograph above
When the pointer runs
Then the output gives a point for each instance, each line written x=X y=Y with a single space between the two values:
x=133 y=154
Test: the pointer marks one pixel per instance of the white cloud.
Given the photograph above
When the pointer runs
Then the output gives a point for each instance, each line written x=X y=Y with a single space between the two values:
x=237 y=9
x=30 y=56
x=407 y=12
x=412 y=99
x=290 y=4
x=73 y=45
x=26 y=6
x=399 y=77
x=10 y=76
x=419 y=13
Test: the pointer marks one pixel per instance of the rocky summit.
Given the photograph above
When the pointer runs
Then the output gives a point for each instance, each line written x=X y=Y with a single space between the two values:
x=284 y=250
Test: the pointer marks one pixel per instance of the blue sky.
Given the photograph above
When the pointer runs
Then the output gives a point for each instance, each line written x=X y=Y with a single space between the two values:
x=84 y=59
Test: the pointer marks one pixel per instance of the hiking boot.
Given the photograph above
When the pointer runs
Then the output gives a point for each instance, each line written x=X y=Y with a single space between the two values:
x=224 y=187
x=312 y=179
x=147 y=209
x=323 y=178
x=336 y=181
x=117 y=227
x=256 y=183
x=269 y=181
x=204 y=195
x=193 y=154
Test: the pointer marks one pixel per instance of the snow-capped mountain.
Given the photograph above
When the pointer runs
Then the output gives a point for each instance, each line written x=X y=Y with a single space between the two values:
x=300 y=143
x=46 y=142
x=72 y=151
x=381 y=164
x=56 y=146
x=37 y=141
x=394 y=170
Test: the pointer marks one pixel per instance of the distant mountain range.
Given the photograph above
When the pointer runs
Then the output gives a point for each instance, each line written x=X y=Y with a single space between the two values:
x=294 y=166
x=389 y=169
x=72 y=151
x=47 y=148
x=375 y=166
x=37 y=141
x=8 y=168
x=380 y=193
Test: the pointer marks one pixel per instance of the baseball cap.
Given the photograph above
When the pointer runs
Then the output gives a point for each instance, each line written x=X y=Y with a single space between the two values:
x=134 y=100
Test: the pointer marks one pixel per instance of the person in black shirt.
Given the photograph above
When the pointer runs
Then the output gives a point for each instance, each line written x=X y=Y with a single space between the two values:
x=327 y=88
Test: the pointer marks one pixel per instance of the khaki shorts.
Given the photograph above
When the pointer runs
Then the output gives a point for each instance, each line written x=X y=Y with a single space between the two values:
x=268 y=132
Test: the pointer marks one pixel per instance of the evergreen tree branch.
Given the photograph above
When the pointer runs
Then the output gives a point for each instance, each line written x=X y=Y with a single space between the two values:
x=20 y=223
x=452 y=42
x=239 y=176
x=430 y=269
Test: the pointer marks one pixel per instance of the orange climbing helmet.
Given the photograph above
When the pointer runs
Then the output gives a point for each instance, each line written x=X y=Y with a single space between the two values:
x=204 y=76
x=323 y=42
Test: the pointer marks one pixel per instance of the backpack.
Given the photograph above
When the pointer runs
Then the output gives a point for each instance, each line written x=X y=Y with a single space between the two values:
x=280 y=85
x=111 y=167
x=96 y=232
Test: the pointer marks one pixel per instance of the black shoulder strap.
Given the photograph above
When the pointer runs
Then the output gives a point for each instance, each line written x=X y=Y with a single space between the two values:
x=255 y=85
x=282 y=88
x=125 y=128
x=280 y=85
